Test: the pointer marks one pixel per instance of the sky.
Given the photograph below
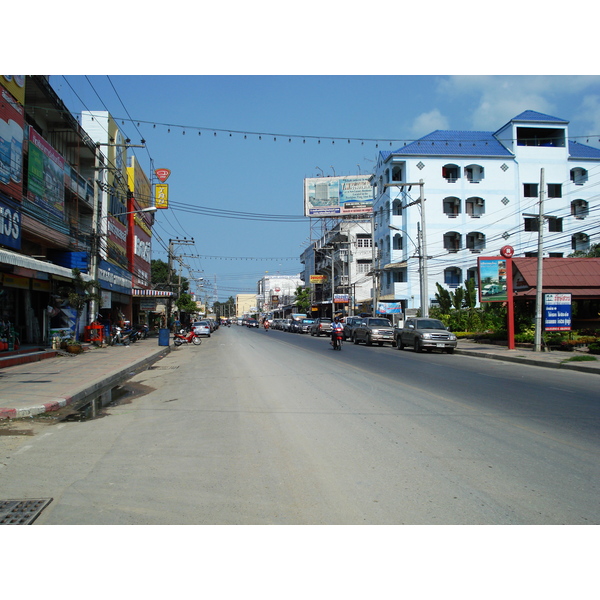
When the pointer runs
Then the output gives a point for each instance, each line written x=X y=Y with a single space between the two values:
x=240 y=146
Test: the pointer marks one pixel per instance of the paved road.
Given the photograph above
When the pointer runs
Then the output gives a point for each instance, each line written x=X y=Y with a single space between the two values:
x=272 y=428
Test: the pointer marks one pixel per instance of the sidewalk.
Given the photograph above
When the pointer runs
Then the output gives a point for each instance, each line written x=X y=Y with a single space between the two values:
x=554 y=360
x=38 y=387
x=35 y=388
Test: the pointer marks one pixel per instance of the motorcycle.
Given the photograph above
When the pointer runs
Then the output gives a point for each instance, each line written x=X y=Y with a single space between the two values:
x=123 y=336
x=336 y=339
x=186 y=338
x=142 y=331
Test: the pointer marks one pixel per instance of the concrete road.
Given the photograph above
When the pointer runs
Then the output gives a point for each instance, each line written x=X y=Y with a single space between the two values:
x=275 y=428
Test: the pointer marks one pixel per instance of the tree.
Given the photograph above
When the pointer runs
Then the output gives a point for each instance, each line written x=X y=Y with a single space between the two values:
x=593 y=252
x=159 y=276
x=185 y=303
x=302 y=299
x=444 y=299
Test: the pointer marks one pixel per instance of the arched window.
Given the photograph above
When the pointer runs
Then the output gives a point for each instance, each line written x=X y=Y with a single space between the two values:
x=475 y=241
x=580 y=209
x=452 y=241
x=451 y=173
x=451 y=206
x=579 y=176
x=398 y=242
x=474 y=173
x=453 y=277
x=475 y=207
x=580 y=242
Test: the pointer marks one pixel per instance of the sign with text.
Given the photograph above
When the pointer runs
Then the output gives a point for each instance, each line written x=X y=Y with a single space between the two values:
x=557 y=312
x=492 y=280
x=161 y=195
x=351 y=195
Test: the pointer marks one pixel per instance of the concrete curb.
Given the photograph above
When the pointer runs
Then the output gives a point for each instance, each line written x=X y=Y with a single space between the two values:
x=573 y=366
x=88 y=391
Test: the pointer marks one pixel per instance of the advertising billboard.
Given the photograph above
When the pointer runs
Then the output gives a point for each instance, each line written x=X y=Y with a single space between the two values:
x=350 y=195
x=45 y=176
x=492 y=280
x=12 y=123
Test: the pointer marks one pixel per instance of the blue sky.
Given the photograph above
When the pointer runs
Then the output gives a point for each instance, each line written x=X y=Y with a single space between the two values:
x=236 y=171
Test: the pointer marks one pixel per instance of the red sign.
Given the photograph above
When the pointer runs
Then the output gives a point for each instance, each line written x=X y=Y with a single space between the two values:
x=162 y=174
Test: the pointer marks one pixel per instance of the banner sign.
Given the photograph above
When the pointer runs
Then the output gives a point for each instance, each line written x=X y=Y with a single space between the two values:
x=317 y=278
x=161 y=195
x=341 y=298
x=12 y=124
x=557 y=312
x=389 y=308
x=351 y=195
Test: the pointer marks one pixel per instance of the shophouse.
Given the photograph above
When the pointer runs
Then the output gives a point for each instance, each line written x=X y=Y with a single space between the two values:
x=451 y=196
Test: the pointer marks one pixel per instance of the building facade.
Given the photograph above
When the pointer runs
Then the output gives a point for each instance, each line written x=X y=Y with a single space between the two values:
x=462 y=194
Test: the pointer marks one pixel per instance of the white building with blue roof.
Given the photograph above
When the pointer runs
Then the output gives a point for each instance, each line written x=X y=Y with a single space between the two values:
x=479 y=187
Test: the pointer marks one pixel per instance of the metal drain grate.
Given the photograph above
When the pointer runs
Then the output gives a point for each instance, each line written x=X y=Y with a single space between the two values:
x=22 y=512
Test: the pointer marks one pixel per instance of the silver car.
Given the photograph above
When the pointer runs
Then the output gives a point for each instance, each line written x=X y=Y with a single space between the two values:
x=373 y=329
x=425 y=334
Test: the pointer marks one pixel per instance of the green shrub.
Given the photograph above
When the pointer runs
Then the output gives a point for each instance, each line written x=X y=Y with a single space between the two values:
x=594 y=348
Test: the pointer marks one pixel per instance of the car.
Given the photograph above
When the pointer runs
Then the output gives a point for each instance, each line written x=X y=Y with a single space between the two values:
x=424 y=333
x=322 y=325
x=252 y=323
x=201 y=328
x=349 y=325
x=491 y=290
x=285 y=324
x=304 y=325
x=373 y=329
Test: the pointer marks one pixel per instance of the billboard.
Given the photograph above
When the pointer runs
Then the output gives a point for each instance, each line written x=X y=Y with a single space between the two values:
x=12 y=123
x=350 y=195
x=492 y=280
x=45 y=176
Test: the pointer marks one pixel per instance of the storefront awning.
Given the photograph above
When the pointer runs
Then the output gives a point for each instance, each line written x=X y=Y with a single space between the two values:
x=27 y=262
x=139 y=292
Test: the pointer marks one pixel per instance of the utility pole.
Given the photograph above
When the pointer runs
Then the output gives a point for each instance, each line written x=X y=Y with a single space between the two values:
x=540 y=270
x=172 y=244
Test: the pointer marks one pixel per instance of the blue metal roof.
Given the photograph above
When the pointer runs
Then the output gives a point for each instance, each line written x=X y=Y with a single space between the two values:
x=454 y=143
x=533 y=116
x=577 y=150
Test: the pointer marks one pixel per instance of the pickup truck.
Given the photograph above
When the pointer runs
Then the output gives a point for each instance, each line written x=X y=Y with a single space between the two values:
x=423 y=333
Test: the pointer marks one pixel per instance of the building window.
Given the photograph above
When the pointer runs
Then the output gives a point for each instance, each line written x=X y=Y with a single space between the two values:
x=541 y=136
x=579 y=176
x=363 y=266
x=475 y=241
x=580 y=242
x=531 y=224
x=450 y=173
x=397 y=207
x=474 y=173
x=364 y=241
x=475 y=207
x=397 y=173
x=453 y=277
x=579 y=209
x=473 y=274
x=554 y=190
x=452 y=241
x=451 y=207
x=530 y=190
x=555 y=224
x=398 y=243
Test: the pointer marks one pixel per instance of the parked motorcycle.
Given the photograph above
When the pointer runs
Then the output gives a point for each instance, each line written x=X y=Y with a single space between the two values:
x=119 y=335
x=186 y=338
x=142 y=331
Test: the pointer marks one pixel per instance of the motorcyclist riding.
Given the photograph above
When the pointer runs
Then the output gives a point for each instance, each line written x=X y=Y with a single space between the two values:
x=336 y=332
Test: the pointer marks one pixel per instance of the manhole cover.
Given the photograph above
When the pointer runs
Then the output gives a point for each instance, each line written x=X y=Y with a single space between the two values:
x=22 y=512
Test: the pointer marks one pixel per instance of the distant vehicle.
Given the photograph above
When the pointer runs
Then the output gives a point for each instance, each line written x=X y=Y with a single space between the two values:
x=425 y=334
x=349 y=325
x=201 y=328
x=285 y=324
x=373 y=329
x=252 y=323
x=321 y=326
x=491 y=290
x=302 y=326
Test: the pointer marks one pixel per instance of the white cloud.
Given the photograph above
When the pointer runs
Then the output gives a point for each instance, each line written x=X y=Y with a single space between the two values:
x=427 y=122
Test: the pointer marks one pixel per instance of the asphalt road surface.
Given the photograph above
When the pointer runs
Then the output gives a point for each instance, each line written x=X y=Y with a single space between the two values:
x=256 y=427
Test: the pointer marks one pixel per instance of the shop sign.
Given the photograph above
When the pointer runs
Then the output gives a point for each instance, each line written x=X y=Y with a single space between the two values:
x=10 y=226
x=557 y=312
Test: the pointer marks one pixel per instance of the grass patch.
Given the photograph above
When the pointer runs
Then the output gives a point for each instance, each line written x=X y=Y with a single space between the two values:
x=583 y=357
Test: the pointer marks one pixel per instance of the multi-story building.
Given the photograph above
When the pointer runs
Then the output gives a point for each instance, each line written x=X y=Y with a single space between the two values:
x=276 y=293
x=58 y=188
x=344 y=255
x=481 y=191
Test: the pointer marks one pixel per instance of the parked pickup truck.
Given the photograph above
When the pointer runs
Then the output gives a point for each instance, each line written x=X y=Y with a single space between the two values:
x=424 y=333
x=321 y=326
x=373 y=329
